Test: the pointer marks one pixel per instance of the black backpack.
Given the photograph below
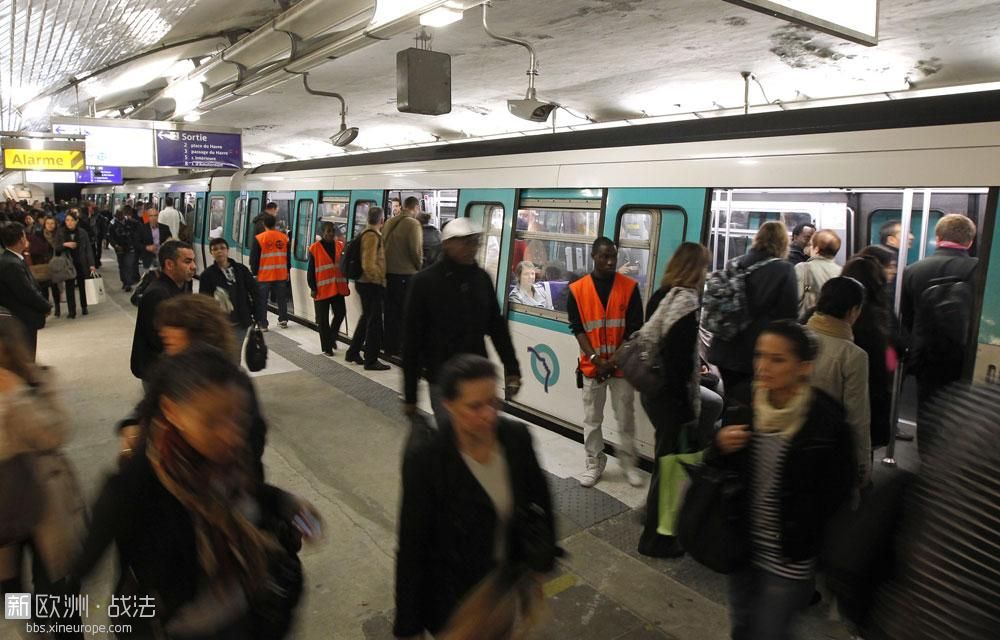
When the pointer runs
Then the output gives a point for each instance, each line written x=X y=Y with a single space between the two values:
x=350 y=259
x=148 y=278
x=946 y=310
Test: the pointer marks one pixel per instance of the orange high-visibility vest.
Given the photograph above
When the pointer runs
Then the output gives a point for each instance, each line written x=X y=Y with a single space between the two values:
x=273 y=256
x=605 y=328
x=329 y=280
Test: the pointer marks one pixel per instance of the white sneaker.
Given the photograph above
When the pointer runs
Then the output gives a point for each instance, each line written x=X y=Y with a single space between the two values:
x=633 y=476
x=592 y=475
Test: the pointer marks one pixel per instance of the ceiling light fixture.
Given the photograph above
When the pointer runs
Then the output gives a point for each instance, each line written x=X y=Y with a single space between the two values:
x=530 y=108
x=441 y=16
x=346 y=135
x=194 y=116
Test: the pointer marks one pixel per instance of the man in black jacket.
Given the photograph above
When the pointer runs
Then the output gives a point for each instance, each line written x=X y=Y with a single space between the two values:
x=150 y=237
x=236 y=281
x=177 y=269
x=451 y=307
x=18 y=289
x=938 y=338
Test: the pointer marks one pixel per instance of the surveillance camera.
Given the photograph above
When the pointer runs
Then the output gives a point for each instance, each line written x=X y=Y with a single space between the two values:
x=530 y=109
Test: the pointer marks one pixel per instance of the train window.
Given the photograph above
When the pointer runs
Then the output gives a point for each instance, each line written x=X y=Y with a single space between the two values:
x=637 y=234
x=441 y=204
x=284 y=215
x=333 y=209
x=239 y=221
x=305 y=227
x=489 y=250
x=552 y=246
x=253 y=209
x=217 y=216
x=199 y=220
x=361 y=208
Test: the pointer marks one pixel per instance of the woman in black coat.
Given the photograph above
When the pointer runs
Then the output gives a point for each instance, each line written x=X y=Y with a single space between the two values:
x=872 y=333
x=197 y=534
x=74 y=240
x=772 y=294
x=474 y=502
x=795 y=462
x=672 y=323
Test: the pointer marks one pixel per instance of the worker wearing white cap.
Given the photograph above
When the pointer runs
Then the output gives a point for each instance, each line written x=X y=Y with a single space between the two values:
x=451 y=307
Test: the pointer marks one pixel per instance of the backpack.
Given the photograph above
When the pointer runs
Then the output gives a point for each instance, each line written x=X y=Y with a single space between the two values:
x=350 y=259
x=945 y=309
x=725 y=307
x=148 y=278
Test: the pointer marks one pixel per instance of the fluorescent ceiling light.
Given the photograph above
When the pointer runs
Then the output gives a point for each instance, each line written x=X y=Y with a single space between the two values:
x=392 y=10
x=440 y=17
x=194 y=116
x=186 y=94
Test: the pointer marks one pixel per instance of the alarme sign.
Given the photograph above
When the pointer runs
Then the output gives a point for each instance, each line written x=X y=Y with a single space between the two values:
x=854 y=20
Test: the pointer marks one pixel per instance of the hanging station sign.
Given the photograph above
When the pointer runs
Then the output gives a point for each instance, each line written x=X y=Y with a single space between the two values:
x=34 y=154
x=147 y=143
x=100 y=175
x=199 y=149
x=854 y=20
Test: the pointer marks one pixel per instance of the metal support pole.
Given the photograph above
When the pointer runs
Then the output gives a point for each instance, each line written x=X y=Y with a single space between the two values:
x=897 y=379
x=729 y=224
x=746 y=91
x=924 y=222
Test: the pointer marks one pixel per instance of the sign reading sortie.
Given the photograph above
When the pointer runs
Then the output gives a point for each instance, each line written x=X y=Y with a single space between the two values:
x=196 y=149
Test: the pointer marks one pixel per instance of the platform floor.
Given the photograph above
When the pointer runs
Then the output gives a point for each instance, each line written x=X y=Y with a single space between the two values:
x=336 y=434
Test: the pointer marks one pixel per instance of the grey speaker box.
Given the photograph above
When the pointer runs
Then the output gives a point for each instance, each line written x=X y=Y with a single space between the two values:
x=423 y=82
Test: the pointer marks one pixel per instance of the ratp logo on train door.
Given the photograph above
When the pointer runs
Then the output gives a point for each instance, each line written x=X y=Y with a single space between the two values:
x=544 y=365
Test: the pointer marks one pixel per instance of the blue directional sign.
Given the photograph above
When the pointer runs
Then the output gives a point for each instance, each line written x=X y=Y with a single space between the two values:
x=100 y=175
x=194 y=149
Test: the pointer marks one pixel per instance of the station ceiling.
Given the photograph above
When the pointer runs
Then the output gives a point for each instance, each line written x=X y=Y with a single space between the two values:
x=604 y=60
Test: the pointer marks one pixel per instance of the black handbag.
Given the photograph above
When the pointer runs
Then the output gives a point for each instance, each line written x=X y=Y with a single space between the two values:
x=710 y=522
x=255 y=354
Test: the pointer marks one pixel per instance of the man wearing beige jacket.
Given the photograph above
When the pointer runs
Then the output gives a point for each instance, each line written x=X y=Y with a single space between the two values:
x=403 y=237
x=371 y=289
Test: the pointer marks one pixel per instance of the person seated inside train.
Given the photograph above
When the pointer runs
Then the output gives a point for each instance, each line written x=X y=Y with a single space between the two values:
x=526 y=290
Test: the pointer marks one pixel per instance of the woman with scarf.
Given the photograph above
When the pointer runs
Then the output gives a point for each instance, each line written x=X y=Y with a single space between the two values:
x=672 y=324
x=73 y=239
x=42 y=248
x=795 y=462
x=194 y=527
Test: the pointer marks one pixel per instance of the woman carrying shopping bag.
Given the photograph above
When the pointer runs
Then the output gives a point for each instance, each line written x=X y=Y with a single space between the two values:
x=74 y=241
x=42 y=510
x=672 y=319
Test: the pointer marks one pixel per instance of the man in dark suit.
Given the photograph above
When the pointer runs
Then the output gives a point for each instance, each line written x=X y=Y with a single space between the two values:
x=150 y=237
x=18 y=289
x=177 y=269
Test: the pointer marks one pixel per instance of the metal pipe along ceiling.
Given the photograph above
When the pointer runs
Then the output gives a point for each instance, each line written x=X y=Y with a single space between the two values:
x=300 y=39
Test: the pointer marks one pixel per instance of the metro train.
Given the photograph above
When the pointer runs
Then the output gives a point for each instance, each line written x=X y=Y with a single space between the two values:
x=545 y=198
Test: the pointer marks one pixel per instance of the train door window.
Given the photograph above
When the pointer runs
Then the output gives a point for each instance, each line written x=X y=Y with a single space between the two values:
x=239 y=221
x=217 y=216
x=361 y=208
x=199 y=220
x=305 y=227
x=333 y=209
x=638 y=234
x=489 y=249
x=189 y=200
x=253 y=209
x=441 y=204
x=552 y=245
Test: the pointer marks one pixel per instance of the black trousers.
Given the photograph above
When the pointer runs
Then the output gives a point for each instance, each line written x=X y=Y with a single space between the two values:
x=328 y=333
x=77 y=284
x=128 y=268
x=47 y=286
x=395 y=298
x=368 y=333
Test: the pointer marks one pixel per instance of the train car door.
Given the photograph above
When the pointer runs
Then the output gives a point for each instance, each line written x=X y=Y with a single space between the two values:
x=360 y=202
x=245 y=229
x=302 y=236
x=200 y=222
x=493 y=210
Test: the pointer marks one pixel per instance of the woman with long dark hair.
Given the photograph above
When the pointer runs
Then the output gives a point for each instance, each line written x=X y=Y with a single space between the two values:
x=41 y=249
x=672 y=322
x=194 y=526
x=795 y=461
x=75 y=241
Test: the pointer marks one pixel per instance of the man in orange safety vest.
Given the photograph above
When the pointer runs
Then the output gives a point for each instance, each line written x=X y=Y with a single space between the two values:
x=270 y=260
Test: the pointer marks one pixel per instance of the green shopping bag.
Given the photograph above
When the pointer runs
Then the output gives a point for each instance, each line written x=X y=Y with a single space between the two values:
x=673 y=476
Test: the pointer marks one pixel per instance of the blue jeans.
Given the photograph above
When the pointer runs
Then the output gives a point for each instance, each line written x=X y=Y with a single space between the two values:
x=280 y=288
x=762 y=605
x=128 y=268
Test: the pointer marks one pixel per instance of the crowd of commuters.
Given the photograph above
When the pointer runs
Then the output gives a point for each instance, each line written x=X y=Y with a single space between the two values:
x=805 y=382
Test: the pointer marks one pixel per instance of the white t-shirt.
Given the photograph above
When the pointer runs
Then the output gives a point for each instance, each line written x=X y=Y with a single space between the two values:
x=172 y=218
